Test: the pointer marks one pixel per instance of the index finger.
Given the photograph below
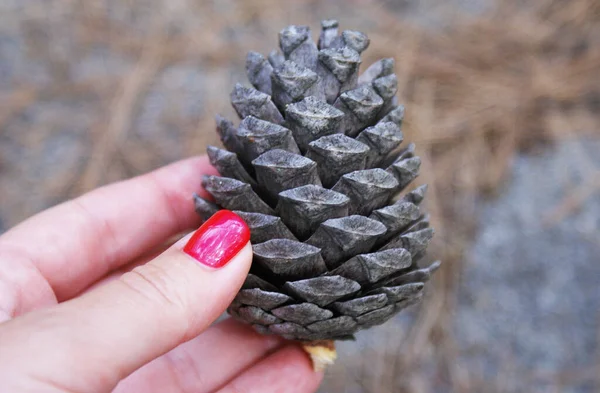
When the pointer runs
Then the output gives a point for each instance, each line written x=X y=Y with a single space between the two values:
x=77 y=242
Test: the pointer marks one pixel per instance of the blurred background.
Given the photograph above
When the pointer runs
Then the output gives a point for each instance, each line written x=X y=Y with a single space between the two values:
x=503 y=102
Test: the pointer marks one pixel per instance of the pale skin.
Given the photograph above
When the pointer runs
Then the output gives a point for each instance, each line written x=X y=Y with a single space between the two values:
x=90 y=302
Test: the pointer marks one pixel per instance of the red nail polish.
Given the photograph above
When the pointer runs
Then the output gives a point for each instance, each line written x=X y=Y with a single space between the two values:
x=219 y=239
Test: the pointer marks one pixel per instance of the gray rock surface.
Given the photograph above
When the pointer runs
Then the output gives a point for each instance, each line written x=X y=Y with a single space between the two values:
x=530 y=293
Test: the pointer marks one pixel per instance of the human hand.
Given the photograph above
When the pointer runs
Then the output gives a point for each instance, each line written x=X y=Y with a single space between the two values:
x=89 y=303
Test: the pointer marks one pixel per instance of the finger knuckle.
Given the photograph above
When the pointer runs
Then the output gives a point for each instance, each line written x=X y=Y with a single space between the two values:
x=154 y=284
x=18 y=275
x=185 y=370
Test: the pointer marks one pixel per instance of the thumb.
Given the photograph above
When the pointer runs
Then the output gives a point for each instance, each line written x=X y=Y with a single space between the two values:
x=95 y=340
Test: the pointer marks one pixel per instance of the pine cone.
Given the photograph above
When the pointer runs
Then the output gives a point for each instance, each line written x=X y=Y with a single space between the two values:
x=315 y=168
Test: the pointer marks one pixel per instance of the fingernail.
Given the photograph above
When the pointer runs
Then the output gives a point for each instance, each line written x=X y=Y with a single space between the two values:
x=219 y=239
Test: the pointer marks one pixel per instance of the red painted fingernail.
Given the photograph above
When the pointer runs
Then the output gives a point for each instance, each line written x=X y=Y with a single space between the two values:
x=219 y=239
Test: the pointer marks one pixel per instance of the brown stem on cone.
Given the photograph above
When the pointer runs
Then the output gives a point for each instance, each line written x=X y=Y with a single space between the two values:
x=322 y=353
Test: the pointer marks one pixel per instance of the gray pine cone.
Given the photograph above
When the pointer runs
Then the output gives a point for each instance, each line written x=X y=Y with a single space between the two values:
x=315 y=168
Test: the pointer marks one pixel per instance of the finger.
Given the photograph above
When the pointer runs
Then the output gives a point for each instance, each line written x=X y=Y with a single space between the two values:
x=22 y=287
x=75 y=243
x=141 y=260
x=104 y=335
x=204 y=363
x=286 y=371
